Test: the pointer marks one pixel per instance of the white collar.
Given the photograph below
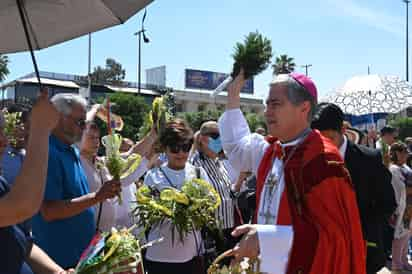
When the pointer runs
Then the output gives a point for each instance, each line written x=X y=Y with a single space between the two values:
x=294 y=142
x=343 y=147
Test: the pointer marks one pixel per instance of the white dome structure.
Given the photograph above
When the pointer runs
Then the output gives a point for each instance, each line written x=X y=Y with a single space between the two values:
x=372 y=94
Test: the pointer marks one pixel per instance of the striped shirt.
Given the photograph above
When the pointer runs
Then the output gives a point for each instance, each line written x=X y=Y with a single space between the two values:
x=220 y=179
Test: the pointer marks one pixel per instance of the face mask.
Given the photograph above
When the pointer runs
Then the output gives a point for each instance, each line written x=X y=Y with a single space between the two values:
x=215 y=145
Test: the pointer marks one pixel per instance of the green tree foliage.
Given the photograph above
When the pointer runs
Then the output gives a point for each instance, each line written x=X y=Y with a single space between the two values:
x=196 y=119
x=404 y=125
x=113 y=73
x=4 y=70
x=132 y=109
x=255 y=121
x=283 y=64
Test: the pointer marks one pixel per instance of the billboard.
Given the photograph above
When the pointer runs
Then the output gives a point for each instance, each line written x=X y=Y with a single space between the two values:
x=156 y=76
x=209 y=80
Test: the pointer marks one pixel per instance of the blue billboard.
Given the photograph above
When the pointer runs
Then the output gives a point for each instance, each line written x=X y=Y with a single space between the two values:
x=209 y=80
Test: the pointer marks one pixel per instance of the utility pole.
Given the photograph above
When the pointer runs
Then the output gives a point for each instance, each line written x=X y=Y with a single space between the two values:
x=407 y=38
x=89 y=71
x=306 y=68
x=140 y=33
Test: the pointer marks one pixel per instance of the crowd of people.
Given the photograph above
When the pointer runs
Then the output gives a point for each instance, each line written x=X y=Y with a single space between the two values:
x=308 y=194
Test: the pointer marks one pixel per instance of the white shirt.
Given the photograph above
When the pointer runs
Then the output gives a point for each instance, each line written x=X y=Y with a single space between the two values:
x=167 y=250
x=343 y=147
x=398 y=184
x=245 y=152
x=113 y=214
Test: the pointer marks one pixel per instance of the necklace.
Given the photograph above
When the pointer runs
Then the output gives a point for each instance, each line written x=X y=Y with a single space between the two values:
x=273 y=181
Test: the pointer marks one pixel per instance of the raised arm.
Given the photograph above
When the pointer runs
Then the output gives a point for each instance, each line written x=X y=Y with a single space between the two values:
x=26 y=195
x=243 y=149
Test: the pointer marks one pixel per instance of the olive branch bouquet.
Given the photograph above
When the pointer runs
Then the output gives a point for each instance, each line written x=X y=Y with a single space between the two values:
x=191 y=208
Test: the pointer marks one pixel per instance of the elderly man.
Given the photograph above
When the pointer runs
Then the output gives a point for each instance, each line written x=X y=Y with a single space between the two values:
x=65 y=224
x=22 y=200
x=371 y=179
x=307 y=213
x=221 y=176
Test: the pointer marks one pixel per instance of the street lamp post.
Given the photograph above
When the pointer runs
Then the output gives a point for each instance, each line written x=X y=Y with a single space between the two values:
x=89 y=70
x=306 y=68
x=407 y=38
x=140 y=33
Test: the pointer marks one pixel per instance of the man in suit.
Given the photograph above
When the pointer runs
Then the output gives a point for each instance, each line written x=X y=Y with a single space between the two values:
x=371 y=180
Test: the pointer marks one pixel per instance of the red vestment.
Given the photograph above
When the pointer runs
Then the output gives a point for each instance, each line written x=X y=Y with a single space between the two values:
x=320 y=203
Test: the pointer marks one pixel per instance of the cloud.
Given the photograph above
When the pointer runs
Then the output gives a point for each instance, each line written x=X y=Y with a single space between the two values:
x=374 y=18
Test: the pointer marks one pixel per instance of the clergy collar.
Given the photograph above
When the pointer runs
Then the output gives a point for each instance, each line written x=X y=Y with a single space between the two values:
x=297 y=140
x=343 y=147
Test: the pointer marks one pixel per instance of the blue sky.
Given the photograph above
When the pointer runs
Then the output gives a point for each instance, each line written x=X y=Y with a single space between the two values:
x=340 y=38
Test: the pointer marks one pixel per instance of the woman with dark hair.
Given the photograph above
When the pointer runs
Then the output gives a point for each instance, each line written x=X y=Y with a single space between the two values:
x=399 y=155
x=172 y=255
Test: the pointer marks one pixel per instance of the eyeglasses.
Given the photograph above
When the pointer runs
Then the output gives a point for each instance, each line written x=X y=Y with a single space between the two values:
x=81 y=123
x=213 y=135
x=175 y=148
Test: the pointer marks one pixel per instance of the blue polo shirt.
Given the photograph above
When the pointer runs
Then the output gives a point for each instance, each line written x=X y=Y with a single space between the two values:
x=12 y=161
x=64 y=240
x=15 y=244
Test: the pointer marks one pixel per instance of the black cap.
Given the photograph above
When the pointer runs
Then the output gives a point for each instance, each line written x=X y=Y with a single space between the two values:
x=328 y=116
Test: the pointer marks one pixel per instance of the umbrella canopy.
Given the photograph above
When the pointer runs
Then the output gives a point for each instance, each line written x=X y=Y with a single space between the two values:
x=53 y=21
x=372 y=94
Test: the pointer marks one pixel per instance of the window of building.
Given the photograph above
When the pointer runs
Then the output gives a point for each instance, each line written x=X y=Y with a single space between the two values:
x=201 y=107
x=179 y=107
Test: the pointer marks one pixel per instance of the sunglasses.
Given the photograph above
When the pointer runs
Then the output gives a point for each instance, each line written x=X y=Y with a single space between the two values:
x=81 y=123
x=213 y=135
x=176 y=148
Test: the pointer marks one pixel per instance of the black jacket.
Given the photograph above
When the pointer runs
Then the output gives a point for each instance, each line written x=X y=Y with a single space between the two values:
x=375 y=197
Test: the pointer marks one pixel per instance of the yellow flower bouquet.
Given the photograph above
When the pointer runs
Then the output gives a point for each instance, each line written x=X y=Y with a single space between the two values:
x=191 y=208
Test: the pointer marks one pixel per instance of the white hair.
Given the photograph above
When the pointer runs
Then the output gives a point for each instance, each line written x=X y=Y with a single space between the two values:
x=64 y=102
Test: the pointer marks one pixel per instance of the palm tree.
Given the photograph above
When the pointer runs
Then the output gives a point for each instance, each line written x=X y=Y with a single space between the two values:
x=4 y=71
x=283 y=64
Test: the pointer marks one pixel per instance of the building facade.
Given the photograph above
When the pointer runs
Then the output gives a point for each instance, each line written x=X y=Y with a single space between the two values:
x=25 y=90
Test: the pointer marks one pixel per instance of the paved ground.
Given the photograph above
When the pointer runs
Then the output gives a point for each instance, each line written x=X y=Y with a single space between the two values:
x=387 y=271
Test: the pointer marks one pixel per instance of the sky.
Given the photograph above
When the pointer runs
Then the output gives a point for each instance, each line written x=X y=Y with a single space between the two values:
x=339 y=38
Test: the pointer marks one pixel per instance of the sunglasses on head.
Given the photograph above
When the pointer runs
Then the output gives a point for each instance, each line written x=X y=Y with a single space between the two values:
x=175 y=148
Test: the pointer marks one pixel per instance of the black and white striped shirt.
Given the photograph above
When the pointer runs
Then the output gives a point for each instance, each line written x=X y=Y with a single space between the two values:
x=220 y=179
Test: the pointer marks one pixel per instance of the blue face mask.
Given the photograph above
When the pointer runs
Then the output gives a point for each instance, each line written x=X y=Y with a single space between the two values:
x=215 y=145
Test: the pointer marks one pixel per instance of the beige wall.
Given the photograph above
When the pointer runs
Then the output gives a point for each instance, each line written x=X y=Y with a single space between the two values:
x=191 y=100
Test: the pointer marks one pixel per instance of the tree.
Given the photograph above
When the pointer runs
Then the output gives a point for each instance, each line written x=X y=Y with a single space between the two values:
x=4 y=71
x=404 y=125
x=255 y=121
x=196 y=119
x=113 y=73
x=132 y=109
x=283 y=64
